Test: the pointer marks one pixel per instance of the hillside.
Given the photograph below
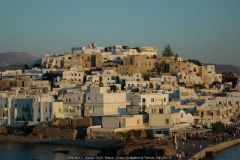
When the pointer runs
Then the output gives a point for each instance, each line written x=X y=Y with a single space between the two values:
x=16 y=58
x=220 y=68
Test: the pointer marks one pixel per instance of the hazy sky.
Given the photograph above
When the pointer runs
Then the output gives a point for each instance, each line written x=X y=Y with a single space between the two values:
x=208 y=30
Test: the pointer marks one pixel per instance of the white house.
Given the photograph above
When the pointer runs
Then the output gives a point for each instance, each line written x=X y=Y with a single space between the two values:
x=187 y=93
x=74 y=75
x=101 y=101
x=113 y=124
x=139 y=102
x=167 y=116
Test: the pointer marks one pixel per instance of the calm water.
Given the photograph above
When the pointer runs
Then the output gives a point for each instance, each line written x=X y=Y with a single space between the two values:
x=229 y=154
x=14 y=151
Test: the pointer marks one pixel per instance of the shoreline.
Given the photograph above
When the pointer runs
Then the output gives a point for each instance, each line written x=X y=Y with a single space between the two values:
x=101 y=144
x=216 y=148
x=90 y=144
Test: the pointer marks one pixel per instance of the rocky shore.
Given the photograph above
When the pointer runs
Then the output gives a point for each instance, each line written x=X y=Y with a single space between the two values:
x=139 y=147
x=93 y=144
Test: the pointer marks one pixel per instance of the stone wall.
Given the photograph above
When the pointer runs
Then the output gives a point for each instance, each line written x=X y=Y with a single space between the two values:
x=73 y=123
x=136 y=64
x=84 y=122
x=55 y=132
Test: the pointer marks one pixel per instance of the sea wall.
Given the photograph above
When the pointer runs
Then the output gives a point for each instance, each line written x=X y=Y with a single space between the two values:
x=55 y=132
x=215 y=148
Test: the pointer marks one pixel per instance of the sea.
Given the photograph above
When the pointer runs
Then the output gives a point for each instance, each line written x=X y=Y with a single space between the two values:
x=232 y=153
x=23 y=151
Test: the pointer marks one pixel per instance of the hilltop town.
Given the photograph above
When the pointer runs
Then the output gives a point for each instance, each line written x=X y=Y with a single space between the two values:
x=105 y=92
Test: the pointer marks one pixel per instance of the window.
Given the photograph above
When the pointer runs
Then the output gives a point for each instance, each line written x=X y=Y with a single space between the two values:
x=160 y=111
x=152 y=99
x=143 y=100
x=167 y=121
x=165 y=132
x=164 y=99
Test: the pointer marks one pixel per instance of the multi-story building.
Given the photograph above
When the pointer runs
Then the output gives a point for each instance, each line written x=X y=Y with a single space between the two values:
x=167 y=116
x=18 y=111
x=74 y=75
x=209 y=113
x=136 y=64
x=101 y=101
x=141 y=102
x=209 y=75
x=87 y=60
x=183 y=67
x=148 y=51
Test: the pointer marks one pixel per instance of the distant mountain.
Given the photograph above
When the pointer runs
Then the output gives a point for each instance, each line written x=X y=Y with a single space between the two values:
x=220 y=68
x=17 y=58
x=12 y=67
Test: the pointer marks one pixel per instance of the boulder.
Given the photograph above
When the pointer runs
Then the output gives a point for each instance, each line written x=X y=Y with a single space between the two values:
x=3 y=131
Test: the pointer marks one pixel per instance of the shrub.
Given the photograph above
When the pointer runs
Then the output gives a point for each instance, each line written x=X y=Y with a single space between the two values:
x=218 y=127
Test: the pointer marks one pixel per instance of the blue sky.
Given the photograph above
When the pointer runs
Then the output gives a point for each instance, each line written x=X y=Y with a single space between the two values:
x=208 y=30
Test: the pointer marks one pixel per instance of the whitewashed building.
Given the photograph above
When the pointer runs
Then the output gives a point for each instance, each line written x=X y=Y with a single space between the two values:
x=101 y=101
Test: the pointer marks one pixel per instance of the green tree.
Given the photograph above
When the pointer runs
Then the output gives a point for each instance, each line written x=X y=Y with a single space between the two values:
x=230 y=77
x=50 y=77
x=218 y=127
x=194 y=61
x=37 y=65
x=26 y=66
x=167 y=51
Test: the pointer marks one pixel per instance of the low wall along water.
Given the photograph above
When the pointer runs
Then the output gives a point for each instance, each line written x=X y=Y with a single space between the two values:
x=215 y=148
